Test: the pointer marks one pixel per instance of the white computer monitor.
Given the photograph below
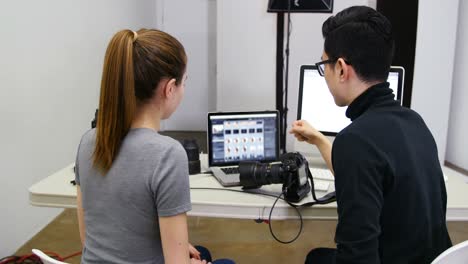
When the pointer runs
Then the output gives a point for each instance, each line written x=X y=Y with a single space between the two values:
x=316 y=104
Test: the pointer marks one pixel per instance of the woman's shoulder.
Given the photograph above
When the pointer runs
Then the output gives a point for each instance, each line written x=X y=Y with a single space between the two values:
x=153 y=141
x=89 y=137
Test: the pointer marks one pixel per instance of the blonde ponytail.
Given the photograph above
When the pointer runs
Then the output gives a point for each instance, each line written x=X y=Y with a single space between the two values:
x=117 y=99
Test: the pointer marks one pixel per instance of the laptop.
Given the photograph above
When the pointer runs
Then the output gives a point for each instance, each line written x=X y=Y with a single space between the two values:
x=240 y=136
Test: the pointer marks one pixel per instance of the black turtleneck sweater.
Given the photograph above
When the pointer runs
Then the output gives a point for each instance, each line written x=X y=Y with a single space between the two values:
x=389 y=184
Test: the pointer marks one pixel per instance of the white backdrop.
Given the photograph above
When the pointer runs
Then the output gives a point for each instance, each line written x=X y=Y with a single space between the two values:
x=457 y=151
x=246 y=56
x=193 y=22
x=433 y=67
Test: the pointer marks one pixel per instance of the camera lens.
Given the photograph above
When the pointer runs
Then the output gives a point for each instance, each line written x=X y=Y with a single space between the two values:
x=254 y=174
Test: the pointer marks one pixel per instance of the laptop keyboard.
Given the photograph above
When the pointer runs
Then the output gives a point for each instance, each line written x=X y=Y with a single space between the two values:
x=231 y=170
x=322 y=178
x=321 y=185
x=322 y=174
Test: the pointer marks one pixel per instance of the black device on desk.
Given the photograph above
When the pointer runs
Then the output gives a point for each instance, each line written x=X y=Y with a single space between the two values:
x=193 y=155
x=293 y=172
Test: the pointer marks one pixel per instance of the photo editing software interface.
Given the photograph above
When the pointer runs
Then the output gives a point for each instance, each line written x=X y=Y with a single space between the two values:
x=240 y=137
x=316 y=104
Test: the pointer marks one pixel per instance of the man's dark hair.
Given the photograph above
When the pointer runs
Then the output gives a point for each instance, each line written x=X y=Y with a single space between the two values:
x=363 y=37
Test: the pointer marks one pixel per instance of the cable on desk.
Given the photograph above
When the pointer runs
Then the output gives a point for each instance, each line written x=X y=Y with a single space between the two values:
x=271 y=229
x=271 y=210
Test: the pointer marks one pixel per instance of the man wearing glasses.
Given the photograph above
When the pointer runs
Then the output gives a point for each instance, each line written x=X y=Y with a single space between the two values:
x=389 y=185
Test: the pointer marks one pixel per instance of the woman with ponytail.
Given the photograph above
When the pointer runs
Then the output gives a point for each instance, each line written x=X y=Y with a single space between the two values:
x=133 y=187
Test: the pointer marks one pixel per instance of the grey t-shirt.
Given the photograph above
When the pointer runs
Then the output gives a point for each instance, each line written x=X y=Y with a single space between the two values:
x=148 y=179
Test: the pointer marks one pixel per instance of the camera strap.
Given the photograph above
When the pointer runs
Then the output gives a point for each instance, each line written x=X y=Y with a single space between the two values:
x=326 y=199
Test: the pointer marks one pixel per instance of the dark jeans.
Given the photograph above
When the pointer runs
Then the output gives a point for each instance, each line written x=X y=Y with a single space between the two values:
x=321 y=256
x=205 y=255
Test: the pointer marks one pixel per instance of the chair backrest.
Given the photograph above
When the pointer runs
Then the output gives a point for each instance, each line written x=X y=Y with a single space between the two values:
x=46 y=259
x=454 y=255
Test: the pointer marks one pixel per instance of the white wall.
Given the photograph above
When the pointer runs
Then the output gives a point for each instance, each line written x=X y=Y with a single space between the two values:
x=193 y=22
x=433 y=69
x=246 y=56
x=457 y=152
x=50 y=68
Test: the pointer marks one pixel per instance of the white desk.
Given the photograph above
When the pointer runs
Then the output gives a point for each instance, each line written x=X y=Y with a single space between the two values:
x=57 y=191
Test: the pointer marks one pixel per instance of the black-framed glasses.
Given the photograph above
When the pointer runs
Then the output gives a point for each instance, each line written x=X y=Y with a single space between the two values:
x=321 y=65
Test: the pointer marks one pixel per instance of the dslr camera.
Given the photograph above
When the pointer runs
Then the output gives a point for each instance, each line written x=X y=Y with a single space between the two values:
x=292 y=171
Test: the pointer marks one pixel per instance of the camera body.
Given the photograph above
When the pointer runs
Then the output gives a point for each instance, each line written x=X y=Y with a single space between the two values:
x=292 y=171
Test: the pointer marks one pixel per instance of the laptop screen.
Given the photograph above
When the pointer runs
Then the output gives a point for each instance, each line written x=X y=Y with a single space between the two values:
x=240 y=136
x=316 y=104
